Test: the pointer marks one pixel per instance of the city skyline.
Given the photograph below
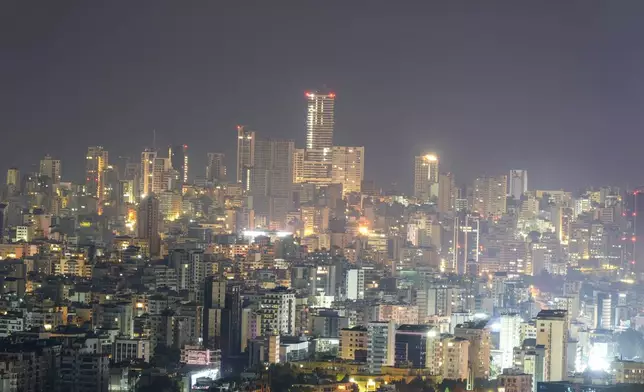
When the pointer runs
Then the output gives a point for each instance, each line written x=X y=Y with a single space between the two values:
x=553 y=128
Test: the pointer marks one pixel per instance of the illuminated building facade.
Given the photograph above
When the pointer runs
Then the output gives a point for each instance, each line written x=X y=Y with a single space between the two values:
x=179 y=161
x=489 y=196
x=95 y=163
x=50 y=168
x=245 y=155
x=426 y=176
x=348 y=168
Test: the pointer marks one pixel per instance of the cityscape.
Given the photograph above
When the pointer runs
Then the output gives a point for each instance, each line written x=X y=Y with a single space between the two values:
x=290 y=266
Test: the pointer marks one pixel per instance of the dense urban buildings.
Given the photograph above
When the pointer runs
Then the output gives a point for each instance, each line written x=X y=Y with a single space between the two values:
x=148 y=272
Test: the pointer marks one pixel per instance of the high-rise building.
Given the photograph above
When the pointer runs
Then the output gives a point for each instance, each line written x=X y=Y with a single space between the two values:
x=50 y=167
x=278 y=312
x=489 y=196
x=148 y=223
x=605 y=308
x=509 y=338
x=245 y=155
x=179 y=161
x=13 y=176
x=348 y=168
x=148 y=159
x=518 y=183
x=216 y=168
x=320 y=122
x=466 y=241
x=446 y=192
x=354 y=284
x=272 y=181
x=479 y=349
x=96 y=162
x=298 y=165
x=426 y=176
x=552 y=334
x=381 y=345
x=222 y=317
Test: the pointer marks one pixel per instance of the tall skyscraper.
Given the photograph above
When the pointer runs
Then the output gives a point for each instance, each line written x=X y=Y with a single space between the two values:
x=50 y=167
x=245 y=155
x=552 y=334
x=465 y=245
x=446 y=192
x=272 y=180
x=426 y=176
x=147 y=224
x=222 y=316
x=348 y=168
x=518 y=183
x=320 y=123
x=179 y=161
x=216 y=167
x=148 y=159
x=96 y=162
x=13 y=176
x=298 y=165
x=489 y=196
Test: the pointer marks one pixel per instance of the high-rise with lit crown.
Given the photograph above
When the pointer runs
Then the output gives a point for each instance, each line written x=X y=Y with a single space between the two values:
x=320 y=122
x=245 y=155
x=425 y=176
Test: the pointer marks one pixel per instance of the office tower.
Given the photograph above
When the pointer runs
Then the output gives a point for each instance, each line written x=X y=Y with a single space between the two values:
x=272 y=181
x=411 y=346
x=446 y=193
x=216 y=168
x=605 y=307
x=552 y=334
x=320 y=122
x=148 y=159
x=148 y=223
x=13 y=177
x=426 y=177
x=381 y=345
x=518 y=183
x=245 y=155
x=222 y=316
x=50 y=167
x=278 y=309
x=354 y=284
x=479 y=350
x=509 y=338
x=179 y=161
x=465 y=245
x=489 y=196
x=96 y=162
x=348 y=168
x=298 y=165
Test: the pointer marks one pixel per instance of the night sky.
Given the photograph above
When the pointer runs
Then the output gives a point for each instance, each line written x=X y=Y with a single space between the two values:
x=555 y=87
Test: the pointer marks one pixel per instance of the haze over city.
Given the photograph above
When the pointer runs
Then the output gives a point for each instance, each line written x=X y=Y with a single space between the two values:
x=299 y=196
x=553 y=87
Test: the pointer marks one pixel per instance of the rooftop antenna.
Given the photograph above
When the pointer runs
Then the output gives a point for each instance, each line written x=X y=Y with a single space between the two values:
x=154 y=140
